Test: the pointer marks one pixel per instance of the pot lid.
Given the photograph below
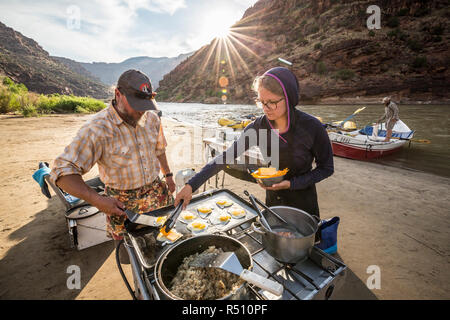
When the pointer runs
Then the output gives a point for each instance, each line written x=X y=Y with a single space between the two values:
x=82 y=212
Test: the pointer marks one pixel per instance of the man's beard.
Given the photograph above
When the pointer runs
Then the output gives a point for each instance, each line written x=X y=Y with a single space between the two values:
x=125 y=116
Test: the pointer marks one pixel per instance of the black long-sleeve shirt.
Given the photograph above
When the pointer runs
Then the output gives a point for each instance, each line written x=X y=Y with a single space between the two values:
x=306 y=141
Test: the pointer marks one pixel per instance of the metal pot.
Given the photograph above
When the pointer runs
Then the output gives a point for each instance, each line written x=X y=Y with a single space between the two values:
x=167 y=265
x=284 y=249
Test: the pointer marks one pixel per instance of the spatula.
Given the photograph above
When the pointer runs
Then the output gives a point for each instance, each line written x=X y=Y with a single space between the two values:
x=228 y=261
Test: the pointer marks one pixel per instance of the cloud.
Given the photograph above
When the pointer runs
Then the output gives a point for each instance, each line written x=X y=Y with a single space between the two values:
x=115 y=30
x=158 y=6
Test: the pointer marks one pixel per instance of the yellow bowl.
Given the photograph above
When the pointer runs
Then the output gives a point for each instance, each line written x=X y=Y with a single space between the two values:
x=270 y=180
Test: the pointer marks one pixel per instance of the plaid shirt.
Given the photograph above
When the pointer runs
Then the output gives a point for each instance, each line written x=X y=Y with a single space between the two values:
x=126 y=156
x=390 y=113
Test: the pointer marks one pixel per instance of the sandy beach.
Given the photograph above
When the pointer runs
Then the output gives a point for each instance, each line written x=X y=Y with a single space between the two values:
x=395 y=219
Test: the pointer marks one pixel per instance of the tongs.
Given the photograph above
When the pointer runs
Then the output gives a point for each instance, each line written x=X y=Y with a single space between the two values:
x=170 y=222
x=286 y=224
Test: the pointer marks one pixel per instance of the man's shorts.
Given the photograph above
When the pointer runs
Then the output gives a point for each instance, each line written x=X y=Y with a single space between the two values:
x=144 y=199
x=390 y=124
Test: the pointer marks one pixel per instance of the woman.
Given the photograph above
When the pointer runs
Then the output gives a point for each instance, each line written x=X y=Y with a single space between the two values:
x=301 y=137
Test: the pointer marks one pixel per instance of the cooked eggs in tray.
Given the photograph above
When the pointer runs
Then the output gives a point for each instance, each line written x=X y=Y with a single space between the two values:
x=171 y=237
x=187 y=216
x=197 y=226
x=237 y=212
x=204 y=210
x=224 y=203
x=220 y=219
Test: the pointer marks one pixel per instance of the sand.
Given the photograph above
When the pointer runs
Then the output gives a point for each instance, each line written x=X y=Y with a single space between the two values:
x=392 y=218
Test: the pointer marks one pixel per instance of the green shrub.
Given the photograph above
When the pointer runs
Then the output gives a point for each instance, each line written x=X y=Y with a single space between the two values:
x=8 y=82
x=68 y=104
x=371 y=33
x=13 y=87
x=397 y=34
x=16 y=98
x=344 y=74
x=318 y=46
x=392 y=22
x=5 y=98
x=437 y=30
x=414 y=45
x=419 y=62
x=29 y=111
x=402 y=12
x=14 y=103
x=422 y=12
x=162 y=95
x=315 y=28
x=80 y=109
x=321 y=68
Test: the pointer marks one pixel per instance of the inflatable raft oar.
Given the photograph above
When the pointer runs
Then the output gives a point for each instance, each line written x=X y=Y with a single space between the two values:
x=351 y=116
x=414 y=140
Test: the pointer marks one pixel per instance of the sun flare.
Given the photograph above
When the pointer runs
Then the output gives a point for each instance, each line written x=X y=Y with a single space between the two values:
x=218 y=24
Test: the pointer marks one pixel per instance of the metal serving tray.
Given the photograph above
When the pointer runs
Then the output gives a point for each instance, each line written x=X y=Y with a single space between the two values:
x=148 y=256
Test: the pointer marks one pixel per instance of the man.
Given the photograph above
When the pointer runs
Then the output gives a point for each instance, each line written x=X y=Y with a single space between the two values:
x=390 y=116
x=127 y=143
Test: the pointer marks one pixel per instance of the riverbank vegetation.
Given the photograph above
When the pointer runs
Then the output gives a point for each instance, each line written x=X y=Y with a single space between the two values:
x=15 y=98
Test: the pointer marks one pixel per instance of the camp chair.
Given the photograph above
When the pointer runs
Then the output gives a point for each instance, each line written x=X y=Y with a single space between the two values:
x=86 y=224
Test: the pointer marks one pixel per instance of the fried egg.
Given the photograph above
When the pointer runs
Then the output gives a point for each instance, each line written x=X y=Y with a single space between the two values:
x=171 y=237
x=237 y=212
x=187 y=217
x=197 y=226
x=220 y=219
x=204 y=210
x=223 y=203
x=160 y=221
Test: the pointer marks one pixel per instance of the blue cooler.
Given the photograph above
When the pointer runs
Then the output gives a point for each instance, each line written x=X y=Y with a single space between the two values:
x=328 y=234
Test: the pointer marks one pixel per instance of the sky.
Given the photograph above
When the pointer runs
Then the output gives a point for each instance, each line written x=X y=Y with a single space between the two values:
x=115 y=30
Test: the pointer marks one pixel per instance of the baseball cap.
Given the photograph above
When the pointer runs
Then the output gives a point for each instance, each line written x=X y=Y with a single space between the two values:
x=137 y=88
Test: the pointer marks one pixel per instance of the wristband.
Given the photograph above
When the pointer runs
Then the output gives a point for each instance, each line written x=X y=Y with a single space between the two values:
x=170 y=174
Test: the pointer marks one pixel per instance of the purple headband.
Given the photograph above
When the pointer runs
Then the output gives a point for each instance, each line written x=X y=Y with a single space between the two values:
x=287 y=105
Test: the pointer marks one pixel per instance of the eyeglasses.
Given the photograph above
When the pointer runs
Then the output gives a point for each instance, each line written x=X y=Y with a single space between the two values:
x=271 y=105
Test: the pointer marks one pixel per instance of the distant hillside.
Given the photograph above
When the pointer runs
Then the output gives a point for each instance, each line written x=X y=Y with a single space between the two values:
x=155 y=68
x=76 y=67
x=23 y=60
x=334 y=55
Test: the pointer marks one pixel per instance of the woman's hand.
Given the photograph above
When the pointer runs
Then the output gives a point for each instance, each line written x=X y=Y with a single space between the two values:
x=185 y=194
x=285 y=184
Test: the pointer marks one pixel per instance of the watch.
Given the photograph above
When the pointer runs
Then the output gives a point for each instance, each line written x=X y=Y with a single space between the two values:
x=170 y=174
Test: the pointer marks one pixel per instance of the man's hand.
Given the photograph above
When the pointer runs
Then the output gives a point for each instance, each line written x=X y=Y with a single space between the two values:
x=285 y=184
x=170 y=184
x=110 y=206
x=185 y=194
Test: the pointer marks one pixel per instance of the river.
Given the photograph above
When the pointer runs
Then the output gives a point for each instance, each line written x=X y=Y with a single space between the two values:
x=429 y=122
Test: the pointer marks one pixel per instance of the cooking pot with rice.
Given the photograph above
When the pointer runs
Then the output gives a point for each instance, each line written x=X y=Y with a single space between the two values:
x=171 y=263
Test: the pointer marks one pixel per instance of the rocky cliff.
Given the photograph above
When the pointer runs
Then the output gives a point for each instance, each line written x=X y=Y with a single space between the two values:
x=336 y=58
x=25 y=61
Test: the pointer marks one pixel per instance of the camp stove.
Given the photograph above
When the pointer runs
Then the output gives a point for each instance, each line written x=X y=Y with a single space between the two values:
x=317 y=276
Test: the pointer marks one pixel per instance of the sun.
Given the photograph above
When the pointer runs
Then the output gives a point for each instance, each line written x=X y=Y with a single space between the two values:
x=218 y=24
x=222 y=31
